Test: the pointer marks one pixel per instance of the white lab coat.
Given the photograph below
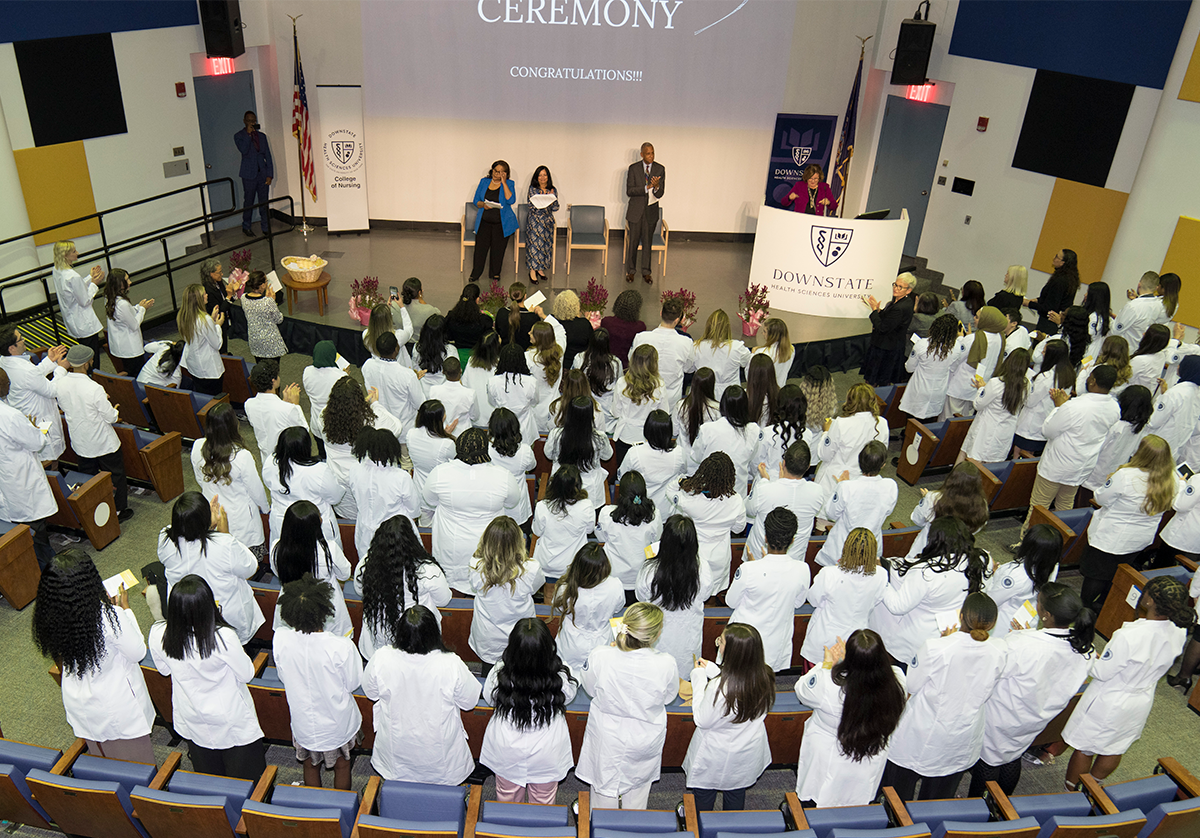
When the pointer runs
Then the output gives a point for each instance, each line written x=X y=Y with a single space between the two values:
x=340 y=457
x=1147 y=369
x=465 y=499
x=380 y=493
x=432 y=591
x=111 y=701
x=1176 y=414
x=716 y=520
x=202 y=354
x=803 y=498
x=520 y=464
x=1019 y=338
x=519 y=394
x=765 y=593
x=842 y=443
x=210 y=701
x=782 y=368
x=1120 y=526
x=674 y=351
x=926 y=390
x=606 y=398
x=1119 y=444
x=657 y=468
x=431 y=378
x=1098 y=330
x=1074 y=434
x=498 y=609
x=547 y=391
x=741 y=444
x=823 y=773
x=318 y=383
x=477 y=378
x=595 y=477
x=399 y=389
x=419 y=735
x=427 y=453
x=538 y=755
x=1183 y=530
x=333 y=571
x=1041 y=672
x=960 y=385
x=404 y=332
x=627 y=722
x=25 y=494
x=858 y=502
x=1009 y=586
x=907 y=617
x=630 y=426
x=625 y=544
x=683 y=629
x=125 y=330
x=842 y=602
x=244 y=497
x=560 y=536
x=589 y=626
x=711 y=412
x=225 y=564
x=773 y=448
x=726 y=361
x=270 y=416
x=1114 y=707
x=722 y=754
x=321 y=671
x=459 y=402
x=949 y=681
x=1138 y=315
x=150 y=373
x=990 y=437
x=75 y=295
x=314 y=483
x=89 y=414
x=31 y=392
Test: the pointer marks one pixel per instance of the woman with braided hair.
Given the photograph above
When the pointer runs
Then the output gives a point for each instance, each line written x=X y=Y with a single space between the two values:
x=709 y=497
x=98 y=645
x=395 y=574
x=1114 y=707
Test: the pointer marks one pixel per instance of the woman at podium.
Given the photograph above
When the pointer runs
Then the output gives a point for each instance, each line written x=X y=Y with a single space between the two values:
x=811 y=194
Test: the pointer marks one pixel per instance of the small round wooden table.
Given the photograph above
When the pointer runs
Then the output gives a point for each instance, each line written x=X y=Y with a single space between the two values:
x=321 y=286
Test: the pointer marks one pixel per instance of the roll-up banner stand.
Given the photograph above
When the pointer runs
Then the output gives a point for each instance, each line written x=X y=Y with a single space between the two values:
x=343 y=157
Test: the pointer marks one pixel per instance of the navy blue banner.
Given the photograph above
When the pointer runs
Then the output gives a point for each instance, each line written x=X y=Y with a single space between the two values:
x=799 y=140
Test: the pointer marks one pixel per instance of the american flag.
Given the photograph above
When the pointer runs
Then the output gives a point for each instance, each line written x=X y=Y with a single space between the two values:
x=300 y=124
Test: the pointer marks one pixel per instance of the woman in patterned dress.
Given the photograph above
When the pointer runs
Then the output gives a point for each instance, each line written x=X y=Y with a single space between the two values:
x=540 y=229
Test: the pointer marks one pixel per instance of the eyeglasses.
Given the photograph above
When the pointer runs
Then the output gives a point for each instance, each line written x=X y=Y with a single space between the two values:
x=899 y=285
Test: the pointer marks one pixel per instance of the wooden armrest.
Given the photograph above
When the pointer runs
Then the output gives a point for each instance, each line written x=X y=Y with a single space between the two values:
x=542 y=484
x=1096 y=794
x=1188 y=784
x=368 y=803
x=792 y=809
x=474 y=800
x=96 y=487
x=1092 y=501
x=1042 y=515
x=895 y=525
x=999 y=803
x=56 y=673
x=169 y=767
x=897 y=813
x=260 y=663
x=222 y=398
x=690 y=820
x=259 y=795
x=583 y=818
x=1185 y=562
x=78 y=747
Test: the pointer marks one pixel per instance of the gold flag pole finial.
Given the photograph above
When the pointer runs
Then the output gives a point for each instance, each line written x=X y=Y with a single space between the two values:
x=863 y=45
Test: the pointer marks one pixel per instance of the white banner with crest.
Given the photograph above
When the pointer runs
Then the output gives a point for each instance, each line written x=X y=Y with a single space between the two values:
x=825 y=266
x=342 y=156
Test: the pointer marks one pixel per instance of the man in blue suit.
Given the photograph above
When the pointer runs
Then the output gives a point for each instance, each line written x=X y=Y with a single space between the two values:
x=256 y=172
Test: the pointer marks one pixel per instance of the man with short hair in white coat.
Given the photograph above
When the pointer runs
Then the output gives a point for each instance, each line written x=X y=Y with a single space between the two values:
x=25 y=496
x=457 y=399
x=801 y=497
x=864 y=501
x=271 y=413
x=1141 y=312
x=30 y=389
x=674 y=350
x=399 y=387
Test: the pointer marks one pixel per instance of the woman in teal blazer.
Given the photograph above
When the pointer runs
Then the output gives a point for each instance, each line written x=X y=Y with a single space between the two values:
x=493 y=224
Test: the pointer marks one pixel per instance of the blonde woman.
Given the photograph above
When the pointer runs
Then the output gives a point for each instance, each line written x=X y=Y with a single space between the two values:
x=1114 y=352
x=75 y=295
x=844 y=595
x=202 y=341
x=630 y=683
x=503 y=577
x=858 y=423
x=1132 y=504
x=382 y=320
x=985 y=348
x=718 y=351
x=1016 y=286
x=778 y=348
x=545 y=360
x=639 y=392
x=578 y=329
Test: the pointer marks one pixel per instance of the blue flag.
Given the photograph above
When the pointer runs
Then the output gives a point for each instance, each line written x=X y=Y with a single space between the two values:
x=841 y=166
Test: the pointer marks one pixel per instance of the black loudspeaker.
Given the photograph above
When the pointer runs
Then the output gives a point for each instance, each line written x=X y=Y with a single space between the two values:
x=912 y=52
x=222 y=24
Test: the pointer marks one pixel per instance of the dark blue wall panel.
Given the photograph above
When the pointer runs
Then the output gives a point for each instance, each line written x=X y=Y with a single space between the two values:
x=30 y=20
x=1130 y=41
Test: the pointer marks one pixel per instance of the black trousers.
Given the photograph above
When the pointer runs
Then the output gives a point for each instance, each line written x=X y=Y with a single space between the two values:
x=134 y=365
x=490 y=244
x=641 y=235
x=93 y=343
x=731 y=799
x=904 y=781
x=246 y=762
x=41 y=542
x=1007 y=775
x=208 y=386
x=113 y=464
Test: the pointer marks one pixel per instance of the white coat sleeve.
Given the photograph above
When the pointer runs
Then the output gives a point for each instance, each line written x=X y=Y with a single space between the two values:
x=433 y=580
x=404 y=331
x=467 y=688
x=560 y=333
x=1112 y=490
x=902 y=598
x=1188 y=495
x=352 y=667
x=706 y=695
x=739 y=523
x=733 y=596
x=130 y=644
x=230 y=651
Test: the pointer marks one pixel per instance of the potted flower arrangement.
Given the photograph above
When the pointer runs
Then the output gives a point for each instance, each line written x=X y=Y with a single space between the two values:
x=687 y=300
x=753 y=308
x=239 y=264
x=494 y=298
x=593 y=301
x=364 y=296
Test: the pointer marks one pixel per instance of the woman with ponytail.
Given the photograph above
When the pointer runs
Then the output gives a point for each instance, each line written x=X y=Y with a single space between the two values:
x=941 y=733
x=1035 y=566
x=984 y=348
x=1045 y=667
x=997 y=406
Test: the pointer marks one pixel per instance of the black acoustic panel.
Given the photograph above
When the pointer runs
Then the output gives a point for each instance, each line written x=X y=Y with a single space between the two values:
x=963 y=186
x=72 y=91
x=1072 y=126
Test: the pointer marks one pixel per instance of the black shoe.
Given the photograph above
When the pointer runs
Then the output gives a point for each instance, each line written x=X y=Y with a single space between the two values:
x=629 y=277
x=1179 y=681
x=247 y=231
x=125 y=514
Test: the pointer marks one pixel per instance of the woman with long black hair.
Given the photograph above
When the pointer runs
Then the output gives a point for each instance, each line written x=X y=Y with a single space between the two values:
x=581 y=444
x=294 y=474
x=225 y=470
x=1059 y=291
x=1035 y=567
x=302 y=548
x=677 y=580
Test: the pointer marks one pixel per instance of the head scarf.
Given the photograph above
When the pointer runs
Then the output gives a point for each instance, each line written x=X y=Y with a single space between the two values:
x=324 y=354
x=1189 y=369
x=472 y=447
x=990 y=320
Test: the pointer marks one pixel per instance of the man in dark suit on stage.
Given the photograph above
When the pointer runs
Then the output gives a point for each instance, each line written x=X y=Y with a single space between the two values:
x=644 y=185
x=256 y=172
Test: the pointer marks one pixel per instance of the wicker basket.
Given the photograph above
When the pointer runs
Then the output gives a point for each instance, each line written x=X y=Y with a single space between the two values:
x=311 y=275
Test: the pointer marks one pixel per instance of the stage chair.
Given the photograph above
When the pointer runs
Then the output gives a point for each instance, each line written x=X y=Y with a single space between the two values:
x=19 y=570
x=17 y=805
x=930 y=446
x=1009 y=484
x=1170 y=798
x=587 y=229
x=127 y=394
x=302 y=812
x=889 y=405
x=393 y=808
x=237 y=379
x=94 y=800
x=658 y=244
x=185 y=804
x=466 y=232
x=153 y=459
x=717 y=617
x=426 y=534
x=825 y=822
x=85 y=502
x=519 y=242
x=184 y=411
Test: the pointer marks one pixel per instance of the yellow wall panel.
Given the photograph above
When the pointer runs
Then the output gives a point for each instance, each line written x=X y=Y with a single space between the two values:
x=1082 y=218
x=57 y=187
x=1190 y=90
x=1183 y=258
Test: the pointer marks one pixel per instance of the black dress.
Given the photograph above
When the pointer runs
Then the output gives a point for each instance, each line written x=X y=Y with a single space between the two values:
x=1056 y=296
x=884 y=363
